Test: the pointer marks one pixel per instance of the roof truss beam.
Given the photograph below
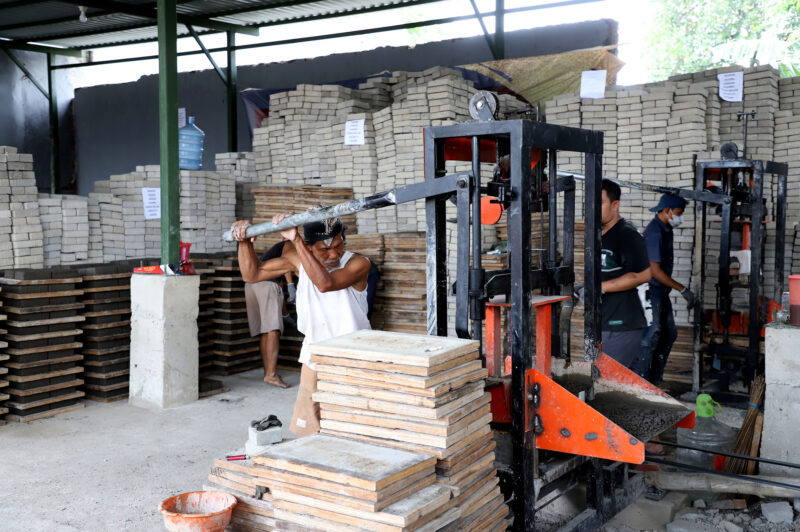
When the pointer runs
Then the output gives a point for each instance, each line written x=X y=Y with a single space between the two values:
x=29 y=47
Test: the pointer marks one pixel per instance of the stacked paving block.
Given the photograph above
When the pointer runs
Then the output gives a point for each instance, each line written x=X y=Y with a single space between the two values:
x=422 y=394
x=44 y=367
x=207 y=209
x=141 y=237
x=242 y=166
x=19 y=212
x=106 y=330
x=50 y=216
x=234 y=349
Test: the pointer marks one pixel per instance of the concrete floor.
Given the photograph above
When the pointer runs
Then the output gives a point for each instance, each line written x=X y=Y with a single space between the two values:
x=108 y=466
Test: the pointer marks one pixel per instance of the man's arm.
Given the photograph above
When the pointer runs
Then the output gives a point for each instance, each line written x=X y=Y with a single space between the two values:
x=626 y=282
x=252 y=269
x=662 y=277
x=353 y=274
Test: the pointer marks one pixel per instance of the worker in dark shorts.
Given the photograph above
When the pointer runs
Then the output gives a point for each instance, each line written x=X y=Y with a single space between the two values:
x=624 y=266
x=662 y=333
x=265 y=315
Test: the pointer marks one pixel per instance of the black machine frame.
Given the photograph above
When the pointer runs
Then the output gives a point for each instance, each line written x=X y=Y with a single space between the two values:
x=474 y=286
x=747 y=205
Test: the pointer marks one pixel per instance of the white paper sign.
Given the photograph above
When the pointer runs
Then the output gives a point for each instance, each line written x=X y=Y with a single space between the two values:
x=354 y=132
x=730 y=86
x=151 y=198
x=181 y=117
x=593 y=84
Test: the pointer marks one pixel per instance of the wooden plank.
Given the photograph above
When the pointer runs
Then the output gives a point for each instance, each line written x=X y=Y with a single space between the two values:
x=46 y=388
x=44 y=308
x=37 y=282
x=422 y=502
x=405 y=435
x=42 y=415
x=366 y=403
x=484 y=463
x=50 y=321
x=388 y=383
x=40 y=376
x=382 y=346
x=419 y=426
x=244 y=488
x=461 y=455
x=46 y=362
x=427 y=479
x=403 y=369
x=399 y=397
x=46 y=401
x=468 y=459
x=100 y=289
x=43 y=349
x=435 y=451
x=40 y=295
x=443 y=421
x=396 y=372
x=344 y=461
x=41 y=336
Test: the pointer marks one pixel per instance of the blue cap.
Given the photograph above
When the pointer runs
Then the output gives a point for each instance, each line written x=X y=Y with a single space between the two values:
x=668 y=201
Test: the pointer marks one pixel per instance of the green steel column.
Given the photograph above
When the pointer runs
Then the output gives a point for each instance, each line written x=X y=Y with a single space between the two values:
x=168 y=130
x=232 y=96
x=499 y=29
x=55 y=149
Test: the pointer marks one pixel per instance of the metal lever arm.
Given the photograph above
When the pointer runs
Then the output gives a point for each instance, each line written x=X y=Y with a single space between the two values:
x=426 y=189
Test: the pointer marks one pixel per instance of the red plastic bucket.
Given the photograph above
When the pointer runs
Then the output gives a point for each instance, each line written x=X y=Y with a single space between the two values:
x=198 y=511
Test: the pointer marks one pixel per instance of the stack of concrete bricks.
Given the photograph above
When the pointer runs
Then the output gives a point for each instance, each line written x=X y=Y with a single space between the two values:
x=242 y=166
x=21 y=235
x=208 y=208
x=662 y=127
x=50 y=216
x=66 y=228
x=112 y=225
x=142 y=238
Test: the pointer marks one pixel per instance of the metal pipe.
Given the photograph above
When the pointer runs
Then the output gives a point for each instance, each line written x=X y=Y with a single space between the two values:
x=296 y=220
x=477 y=310
x=730 y=455
x=755 y=480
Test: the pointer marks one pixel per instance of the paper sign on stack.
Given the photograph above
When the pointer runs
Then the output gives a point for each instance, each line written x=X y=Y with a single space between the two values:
x=327 y=483
x=418 y=393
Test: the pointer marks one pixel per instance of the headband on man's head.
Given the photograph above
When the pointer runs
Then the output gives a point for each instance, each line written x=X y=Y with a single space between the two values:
x=323 y=232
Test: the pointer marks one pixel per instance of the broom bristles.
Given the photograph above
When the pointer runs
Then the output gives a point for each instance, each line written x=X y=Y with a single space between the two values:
x=744 y=440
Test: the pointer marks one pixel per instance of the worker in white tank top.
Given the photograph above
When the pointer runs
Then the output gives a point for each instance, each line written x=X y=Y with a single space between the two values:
x=331 y=295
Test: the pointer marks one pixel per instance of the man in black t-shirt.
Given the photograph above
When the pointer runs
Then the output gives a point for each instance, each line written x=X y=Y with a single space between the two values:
x=624 y=266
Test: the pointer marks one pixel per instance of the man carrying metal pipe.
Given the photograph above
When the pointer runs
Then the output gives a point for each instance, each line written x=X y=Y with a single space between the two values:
x=662 y=333
x=331 y=294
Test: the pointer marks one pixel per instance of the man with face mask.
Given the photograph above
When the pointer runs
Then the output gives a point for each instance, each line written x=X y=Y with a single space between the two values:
x=331 y=295
x=624 y=266
x=659 y=337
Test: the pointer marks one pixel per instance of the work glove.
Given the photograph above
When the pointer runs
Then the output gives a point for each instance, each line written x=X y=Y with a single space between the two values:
x=578 y=292
x=292 y=289
x=688 y=295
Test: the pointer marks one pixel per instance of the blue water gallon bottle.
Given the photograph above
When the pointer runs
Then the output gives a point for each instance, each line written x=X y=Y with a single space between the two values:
x=190 y=146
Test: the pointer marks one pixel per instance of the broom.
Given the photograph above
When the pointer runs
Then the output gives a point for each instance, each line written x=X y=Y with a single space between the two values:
x=749 y=437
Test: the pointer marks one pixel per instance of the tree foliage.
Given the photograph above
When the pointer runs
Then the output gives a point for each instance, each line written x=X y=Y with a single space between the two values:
x=692 y=36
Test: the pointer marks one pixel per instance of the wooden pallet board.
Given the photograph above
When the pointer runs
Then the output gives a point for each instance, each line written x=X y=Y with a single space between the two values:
x=46 y=362
x=50 y=321
x=366 y=403
x=403 y=423
x=46 y=375
x=41 y=336
x=423 y=502
x=43 y=349
x=408 y=436
x=314 y=524
x=401 y=398
x=478 y=373
x=345 y=461
x=46 y=388
x=42 y=402
x=381 y=346
x=42 y=415
x=44 y=308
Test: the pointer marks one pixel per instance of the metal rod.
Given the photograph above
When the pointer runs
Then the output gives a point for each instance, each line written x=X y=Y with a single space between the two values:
x=489 y=39
x=755 y=480
x=232 y=95
x=731 y=455
x=476 y=281
x=55 y=150
x=202 y=46
x=499 y=29
x=25 y=71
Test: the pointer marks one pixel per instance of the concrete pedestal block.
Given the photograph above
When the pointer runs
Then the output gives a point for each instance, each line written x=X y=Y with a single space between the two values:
x=782 y=402
x=164 y=349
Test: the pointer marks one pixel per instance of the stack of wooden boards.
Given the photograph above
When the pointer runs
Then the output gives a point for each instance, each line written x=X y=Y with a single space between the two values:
x=234 y=349
x=419 y=393
x=335 y=484
x=3 y=382
x=106 y=330
x=204 y=267
x=401 y=300
x=243 y=480
x=44 y=354
x=278 y=199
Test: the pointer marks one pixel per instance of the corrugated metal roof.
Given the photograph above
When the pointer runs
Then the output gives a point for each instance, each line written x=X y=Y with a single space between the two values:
x=56 y=23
